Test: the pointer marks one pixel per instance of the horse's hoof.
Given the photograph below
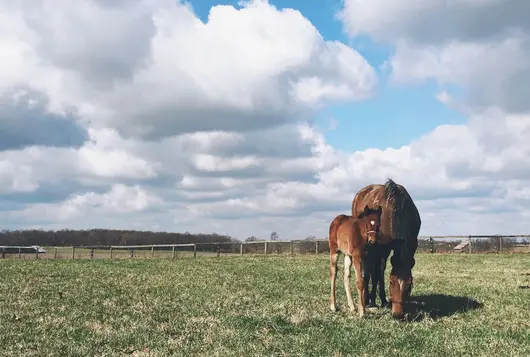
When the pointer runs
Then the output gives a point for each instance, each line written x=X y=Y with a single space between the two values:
x=361 y=314
x=398 y=316
x=333 y=308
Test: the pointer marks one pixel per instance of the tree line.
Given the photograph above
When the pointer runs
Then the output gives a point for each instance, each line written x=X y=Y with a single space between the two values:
x=104 y=237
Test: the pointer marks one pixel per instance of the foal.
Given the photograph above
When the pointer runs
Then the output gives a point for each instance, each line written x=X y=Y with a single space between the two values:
x=351 y=236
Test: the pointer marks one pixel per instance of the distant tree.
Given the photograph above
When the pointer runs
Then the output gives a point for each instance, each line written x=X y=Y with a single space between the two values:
x=252 y=239
x=274 y=236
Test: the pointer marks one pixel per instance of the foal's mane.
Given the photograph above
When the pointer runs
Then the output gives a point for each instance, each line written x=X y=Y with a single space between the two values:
x=366 y=213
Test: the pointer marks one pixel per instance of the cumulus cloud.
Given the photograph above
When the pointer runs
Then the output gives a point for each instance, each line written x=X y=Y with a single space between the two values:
x=157 y=120
x=120 y=199
x=482 y=46
x=153 y=69
x=435 y=21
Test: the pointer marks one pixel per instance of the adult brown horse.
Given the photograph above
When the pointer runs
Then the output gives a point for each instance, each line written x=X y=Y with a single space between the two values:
x=400 y=226
x=351 y=236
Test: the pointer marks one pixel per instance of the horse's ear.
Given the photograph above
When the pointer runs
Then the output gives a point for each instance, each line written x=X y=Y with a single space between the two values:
x=366 y=209
x=379 y=210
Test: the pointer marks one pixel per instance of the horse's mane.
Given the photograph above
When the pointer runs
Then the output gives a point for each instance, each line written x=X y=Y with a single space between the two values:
x=398 y=202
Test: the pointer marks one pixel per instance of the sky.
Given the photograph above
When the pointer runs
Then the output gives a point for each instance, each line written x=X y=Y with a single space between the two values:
x=246 y=118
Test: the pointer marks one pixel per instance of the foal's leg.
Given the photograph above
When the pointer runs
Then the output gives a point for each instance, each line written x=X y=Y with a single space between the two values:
x=357 y=263
x=347 y=271
x=333 y=275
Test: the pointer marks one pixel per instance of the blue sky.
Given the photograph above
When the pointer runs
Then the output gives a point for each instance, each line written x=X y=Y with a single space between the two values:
x=183 y=124
x=396 y=114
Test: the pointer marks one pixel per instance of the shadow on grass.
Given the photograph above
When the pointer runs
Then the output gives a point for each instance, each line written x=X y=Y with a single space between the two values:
x=436 y=306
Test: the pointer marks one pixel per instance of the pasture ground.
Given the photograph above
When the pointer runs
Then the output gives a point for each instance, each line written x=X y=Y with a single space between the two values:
x=465 y=305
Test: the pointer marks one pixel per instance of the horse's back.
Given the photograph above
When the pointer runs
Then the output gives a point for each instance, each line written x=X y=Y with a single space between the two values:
x=375 y=195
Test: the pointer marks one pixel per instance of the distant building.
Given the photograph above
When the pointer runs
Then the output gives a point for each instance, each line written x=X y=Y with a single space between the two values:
x=32 y=249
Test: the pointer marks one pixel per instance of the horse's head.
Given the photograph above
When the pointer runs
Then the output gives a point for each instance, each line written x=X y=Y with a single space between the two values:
x=369 y=223
x=400 y=282
x=399 y=292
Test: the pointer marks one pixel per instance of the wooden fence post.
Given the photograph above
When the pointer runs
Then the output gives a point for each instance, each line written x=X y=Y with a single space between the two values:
x=55 y=253
x=500 y=244
x=173 y=252
x=152 y=251
x=266 y=248
x=218 y=250
x=73 y=252
x=195 y=250
x=291 y=248
x=432 y=244
x=241 y=249
x=316 y=247
x=92 y=253
x=111 y=252
x=19 y=253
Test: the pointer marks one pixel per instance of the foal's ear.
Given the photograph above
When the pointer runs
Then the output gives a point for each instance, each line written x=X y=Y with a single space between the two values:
x=366 y=209
x=379 y=210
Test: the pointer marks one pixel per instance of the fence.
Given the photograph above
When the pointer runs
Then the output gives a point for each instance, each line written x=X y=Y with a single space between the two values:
x=426 y=244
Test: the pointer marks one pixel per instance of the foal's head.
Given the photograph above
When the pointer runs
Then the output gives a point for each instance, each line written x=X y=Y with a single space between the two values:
x=369 y=223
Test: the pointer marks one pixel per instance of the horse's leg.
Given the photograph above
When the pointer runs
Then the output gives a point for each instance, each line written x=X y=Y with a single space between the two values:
x=382 y=267
x=409 y=290
x=375 y=282
x=333 y=275
x=357 y=263
x=347 y=271
x=367 y=272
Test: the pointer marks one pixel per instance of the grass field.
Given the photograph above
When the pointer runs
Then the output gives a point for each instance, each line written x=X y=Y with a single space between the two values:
x=464 y=305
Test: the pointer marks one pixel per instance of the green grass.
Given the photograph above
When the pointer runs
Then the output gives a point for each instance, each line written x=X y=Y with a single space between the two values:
x=256 y=306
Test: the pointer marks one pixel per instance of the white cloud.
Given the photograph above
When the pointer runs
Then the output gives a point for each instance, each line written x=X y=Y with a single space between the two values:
x=481 y=46
x=119 y=200
x=461 y=183
x=123 y=66
x=200 y=127
x=435 y=21
x=16 y=178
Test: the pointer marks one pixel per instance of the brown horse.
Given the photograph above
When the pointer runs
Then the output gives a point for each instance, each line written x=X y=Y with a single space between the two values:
x=400 y=226
x=351 y=236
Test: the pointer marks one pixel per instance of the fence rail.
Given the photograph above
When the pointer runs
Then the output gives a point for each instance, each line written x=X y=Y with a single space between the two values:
x=427 y=244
